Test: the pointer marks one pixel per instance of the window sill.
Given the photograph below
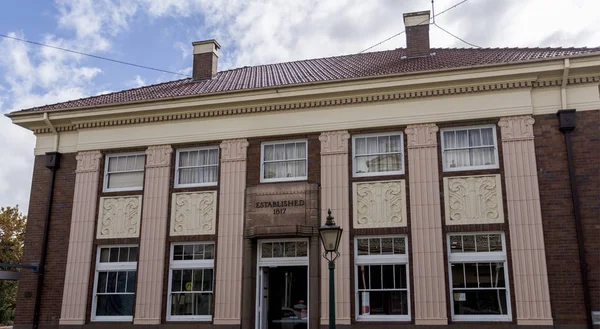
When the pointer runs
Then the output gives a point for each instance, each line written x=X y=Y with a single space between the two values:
x=480 y=318
x=124 y=189
x=112 y=319
x=207 y=318
x=195 y=185
x=471 y=168
x=279 y=180
x=379 y=173
x=383 y=318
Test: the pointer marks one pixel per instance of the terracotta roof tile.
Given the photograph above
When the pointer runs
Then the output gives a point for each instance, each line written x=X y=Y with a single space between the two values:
x=320 y=70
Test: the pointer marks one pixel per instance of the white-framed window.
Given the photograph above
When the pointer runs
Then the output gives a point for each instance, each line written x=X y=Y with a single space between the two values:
x=191 y=281
x=378 y=154
x=468 y=148
x=124 y=172
x=197 y=167
x=284 y=161
x=381 y=278
x=478 y=277
x=114 y=283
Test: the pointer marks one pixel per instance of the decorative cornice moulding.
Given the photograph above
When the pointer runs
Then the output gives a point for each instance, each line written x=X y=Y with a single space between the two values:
x=516 y=128
x=119 y=217
x=234 y=150
x=158 y=156
x=334 y=142
x=424 y=135
x=194 y=213
x=88 y=161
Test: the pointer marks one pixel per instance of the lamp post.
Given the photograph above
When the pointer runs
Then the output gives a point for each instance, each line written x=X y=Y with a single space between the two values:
x=331 y=235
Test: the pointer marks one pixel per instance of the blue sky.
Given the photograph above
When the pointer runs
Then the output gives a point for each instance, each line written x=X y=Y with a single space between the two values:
x=158 y=33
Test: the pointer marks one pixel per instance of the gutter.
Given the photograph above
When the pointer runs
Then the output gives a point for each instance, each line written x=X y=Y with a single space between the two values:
x=567 y=120
x=52 y=163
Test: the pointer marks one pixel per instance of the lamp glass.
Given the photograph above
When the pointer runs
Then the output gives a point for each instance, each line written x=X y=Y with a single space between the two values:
x=330 y=237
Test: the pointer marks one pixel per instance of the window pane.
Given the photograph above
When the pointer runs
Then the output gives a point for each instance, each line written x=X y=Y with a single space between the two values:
x=114 y=255
x=474 y=137
x=279 y=152
x=121 y=281
x=123 y=254
x=361 y=146
x=267 y=250
x=396 y=143
x=301 y=147
x=140 y=162
x=485 y=275
x=104 y=255
x=374 y=246
x=481 y=243
x=375 y=276
x=458 y=275
x=363 y=277
x=112 y=164
x=213 y=157
x=468 y=243
x=399 y=246
x=176 y=283
x=209 y=251
x=290 y=249
x=126 y=180
x=498 y=275
x=202 y=304
x=191 y=304
x=131 y=281
x=121 y=163
x=471 y=275
x=187 y=280
x=487 y=136
x=400 y=277
x=455 y=243
x=457 y=158
x=382 y=142
x=188 y=252
x=495 y=242
x=302 y=249
x=115 y=305
x=197 y=277
x=278 y=249
x=101 y=287
x=198 y=251
x=268 y=152
x=362 y=246
x=131 y=162
x=111 y=285
x=480 y=302
x=178 y=252
x=462 y=138
x=290 y=151
x=387 y=246
x=133 y=254
x=388 y=276
x=207 y=280
x=184 y=159
x=449 y=139
x=384 y=302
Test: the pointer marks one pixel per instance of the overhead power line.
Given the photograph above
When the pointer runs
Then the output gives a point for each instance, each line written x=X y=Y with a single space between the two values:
x=93 y=56
x=463 y=40
x=397 y=34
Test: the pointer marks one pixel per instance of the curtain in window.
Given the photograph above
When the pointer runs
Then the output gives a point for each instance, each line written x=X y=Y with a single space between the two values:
x=197 y=167
x=469 y=148
x=378 y=154
x=285 y=160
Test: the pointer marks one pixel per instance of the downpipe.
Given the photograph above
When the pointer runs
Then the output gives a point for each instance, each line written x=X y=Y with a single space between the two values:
x=567 y=125
x=52 y=163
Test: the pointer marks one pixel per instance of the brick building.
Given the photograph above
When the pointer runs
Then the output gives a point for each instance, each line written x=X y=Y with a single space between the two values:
x=465 y=200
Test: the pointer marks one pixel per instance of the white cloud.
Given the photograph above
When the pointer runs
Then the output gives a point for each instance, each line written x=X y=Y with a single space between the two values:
x=137 y=82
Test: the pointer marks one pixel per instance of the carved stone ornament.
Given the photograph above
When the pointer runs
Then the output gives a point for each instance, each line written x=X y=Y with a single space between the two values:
x=193 y=213
x=88 y=161
x=234 y=150
x=334 y=142
x=424 y=135
x=379 y=204
x=517 y=128
x=158 y=156
x=473 y=200
x=119 y=217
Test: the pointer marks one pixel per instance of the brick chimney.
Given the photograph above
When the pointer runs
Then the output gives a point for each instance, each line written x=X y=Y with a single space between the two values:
x=417 y=34
x=206 y=55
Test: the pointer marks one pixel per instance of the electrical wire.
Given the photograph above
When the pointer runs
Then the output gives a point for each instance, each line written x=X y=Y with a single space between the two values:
x=463 y=40
x=397 y=34
x=93 y=56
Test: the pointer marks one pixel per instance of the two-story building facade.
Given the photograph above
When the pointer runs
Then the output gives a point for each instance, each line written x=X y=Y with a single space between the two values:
x=465 y=200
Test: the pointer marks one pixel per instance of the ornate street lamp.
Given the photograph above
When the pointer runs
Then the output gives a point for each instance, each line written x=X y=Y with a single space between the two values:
x=331 y=235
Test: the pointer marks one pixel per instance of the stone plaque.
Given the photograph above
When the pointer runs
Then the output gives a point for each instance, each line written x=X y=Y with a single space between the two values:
x=282 y=209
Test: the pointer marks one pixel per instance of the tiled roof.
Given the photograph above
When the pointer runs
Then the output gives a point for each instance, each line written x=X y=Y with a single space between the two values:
x=320 y=70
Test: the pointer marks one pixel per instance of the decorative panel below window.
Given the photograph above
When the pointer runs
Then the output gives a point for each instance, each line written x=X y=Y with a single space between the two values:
x=379 y=204
x=473 y=200
x=119 y=217
x=193 y=213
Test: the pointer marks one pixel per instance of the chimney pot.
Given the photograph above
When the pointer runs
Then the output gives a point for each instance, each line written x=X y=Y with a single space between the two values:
x=206 y=56
x=417 y=33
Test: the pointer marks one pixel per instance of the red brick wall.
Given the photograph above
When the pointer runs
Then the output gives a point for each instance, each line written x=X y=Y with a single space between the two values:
x=560 y=237
x=58 y=241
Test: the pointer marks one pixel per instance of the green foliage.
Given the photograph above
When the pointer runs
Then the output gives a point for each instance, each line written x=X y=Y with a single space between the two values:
x=12 y=236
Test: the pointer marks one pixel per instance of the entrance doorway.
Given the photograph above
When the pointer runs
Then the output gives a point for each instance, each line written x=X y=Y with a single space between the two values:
x=282 y=285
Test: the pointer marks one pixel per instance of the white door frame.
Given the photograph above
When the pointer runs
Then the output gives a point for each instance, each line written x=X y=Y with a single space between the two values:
x=278 y=262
